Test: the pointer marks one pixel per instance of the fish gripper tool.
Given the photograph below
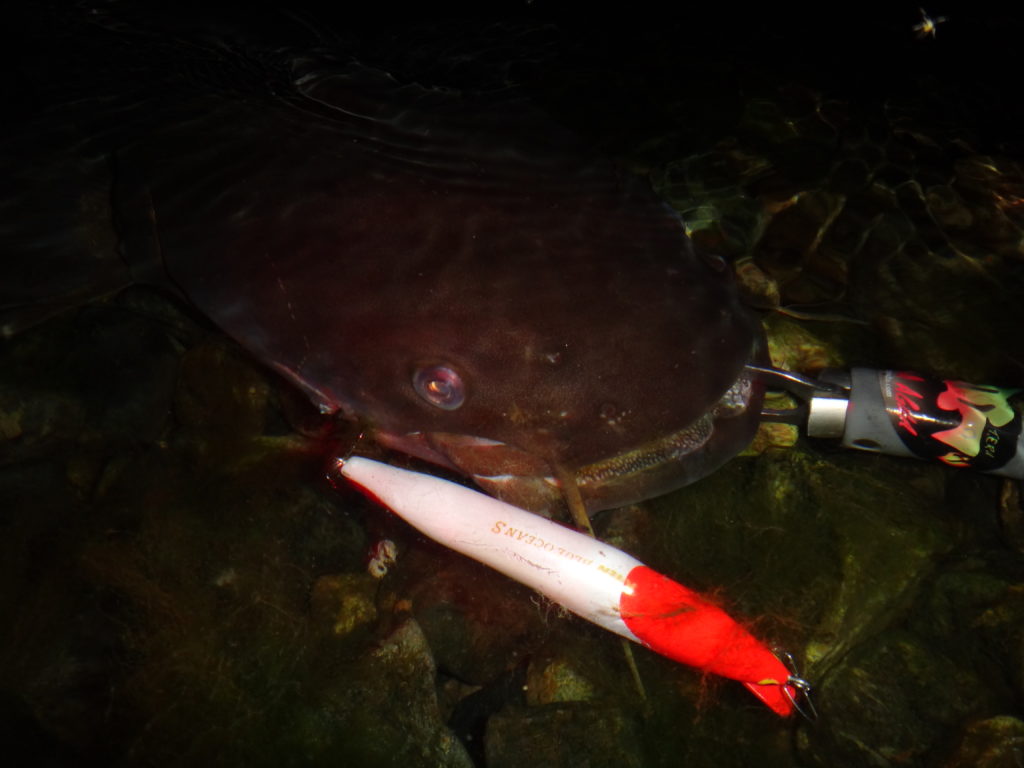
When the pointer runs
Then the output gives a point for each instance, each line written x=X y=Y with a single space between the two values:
x=900 y=413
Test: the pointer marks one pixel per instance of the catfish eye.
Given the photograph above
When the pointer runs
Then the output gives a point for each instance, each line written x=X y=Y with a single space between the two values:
x=439 y=385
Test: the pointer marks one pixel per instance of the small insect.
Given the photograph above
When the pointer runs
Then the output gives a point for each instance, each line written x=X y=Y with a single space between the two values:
x=928 y=26
x=383 y=554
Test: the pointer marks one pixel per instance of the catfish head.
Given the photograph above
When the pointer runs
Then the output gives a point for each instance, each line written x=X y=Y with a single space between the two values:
x=459 y=274
x=536 y=322
x=631 y=384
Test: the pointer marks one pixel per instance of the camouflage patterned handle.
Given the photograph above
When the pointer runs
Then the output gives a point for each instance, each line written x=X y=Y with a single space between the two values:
x=904 y=414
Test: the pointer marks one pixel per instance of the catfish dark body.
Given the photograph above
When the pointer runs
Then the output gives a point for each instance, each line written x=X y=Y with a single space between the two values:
x=455 y=270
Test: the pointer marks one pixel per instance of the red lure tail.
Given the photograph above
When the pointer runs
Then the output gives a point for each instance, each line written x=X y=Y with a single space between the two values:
x=681 y=624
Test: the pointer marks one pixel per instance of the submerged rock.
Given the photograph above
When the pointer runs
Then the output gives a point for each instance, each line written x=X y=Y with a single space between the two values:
x=997 y=742
x=563 y=735
x=894 y=699
x=386 y=713
x=344 y=602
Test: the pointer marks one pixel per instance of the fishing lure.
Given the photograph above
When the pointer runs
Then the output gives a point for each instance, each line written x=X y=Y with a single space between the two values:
x=588 y=577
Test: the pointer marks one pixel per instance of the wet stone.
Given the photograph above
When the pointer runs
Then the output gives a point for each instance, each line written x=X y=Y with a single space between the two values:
x=98 y=376
x=997 y=742
x=976 y=611
x=556 y=680
x=947 y=208
x=849 y=176
x=567 y=734
x=344 y=602
x=758 y=288
x=381 y=709
x=578 y=664
x=222 y=396
x=886 y=541
x=894 y=700
x=794 y=346
x=624 y=527
x=1011 y=515
x=479 y=623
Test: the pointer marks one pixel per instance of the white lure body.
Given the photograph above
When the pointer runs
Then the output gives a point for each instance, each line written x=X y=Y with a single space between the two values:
x=582 y=574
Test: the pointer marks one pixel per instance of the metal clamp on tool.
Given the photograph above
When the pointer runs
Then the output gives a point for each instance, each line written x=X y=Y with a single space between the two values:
x=904 y=414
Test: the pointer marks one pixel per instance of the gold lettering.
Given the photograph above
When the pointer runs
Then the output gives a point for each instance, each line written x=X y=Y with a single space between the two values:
x=611 y=572
x=501 y=527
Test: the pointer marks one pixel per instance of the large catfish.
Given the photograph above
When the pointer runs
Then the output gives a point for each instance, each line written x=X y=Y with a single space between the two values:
x=456 y=272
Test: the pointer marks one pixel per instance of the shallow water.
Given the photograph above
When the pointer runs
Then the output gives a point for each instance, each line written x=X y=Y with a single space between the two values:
x=182 y=585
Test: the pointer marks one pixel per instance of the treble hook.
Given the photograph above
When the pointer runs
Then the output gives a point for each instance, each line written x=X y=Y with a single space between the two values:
x=808 y=710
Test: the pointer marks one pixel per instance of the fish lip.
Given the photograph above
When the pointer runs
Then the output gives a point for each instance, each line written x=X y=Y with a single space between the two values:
x=418 y=444
x=735 y=402
x=656 y=467
x=674 y=446
x=640 y=472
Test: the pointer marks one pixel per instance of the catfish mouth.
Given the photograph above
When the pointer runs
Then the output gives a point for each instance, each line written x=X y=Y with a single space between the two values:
x=650 y=456
x=667 y=454
x=641 y=472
